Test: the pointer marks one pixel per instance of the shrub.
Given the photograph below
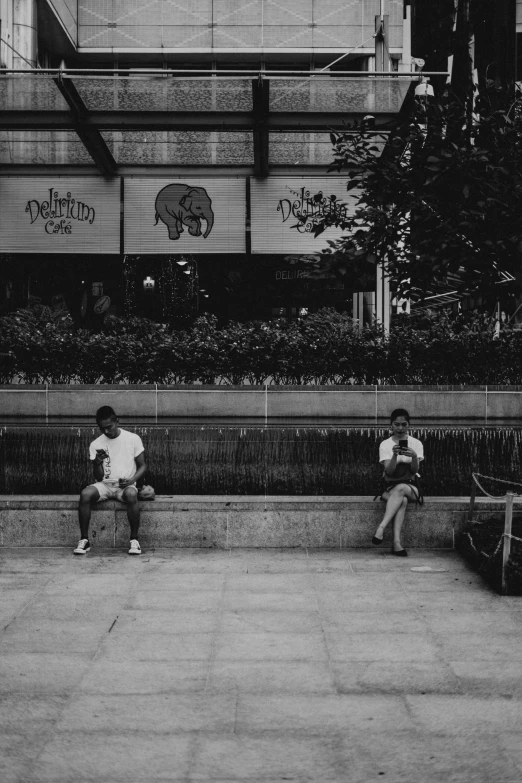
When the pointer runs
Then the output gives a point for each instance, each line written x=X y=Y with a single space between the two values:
x=324 y=348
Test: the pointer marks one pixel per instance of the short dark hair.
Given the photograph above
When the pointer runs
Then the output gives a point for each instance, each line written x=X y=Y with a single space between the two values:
x=400 y=412
x=105 y=412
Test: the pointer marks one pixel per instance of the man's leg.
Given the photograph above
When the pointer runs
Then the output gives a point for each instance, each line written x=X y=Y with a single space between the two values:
x=130 y=498
x=88 y=496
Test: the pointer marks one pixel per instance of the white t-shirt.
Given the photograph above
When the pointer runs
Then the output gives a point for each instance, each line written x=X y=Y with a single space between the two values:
x=122 y=452
x=386 y=450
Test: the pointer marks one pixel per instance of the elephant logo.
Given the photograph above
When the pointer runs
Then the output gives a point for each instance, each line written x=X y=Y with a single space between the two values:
x=183 y=205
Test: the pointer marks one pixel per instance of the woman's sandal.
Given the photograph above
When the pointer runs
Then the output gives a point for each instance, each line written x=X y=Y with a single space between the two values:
x=377 y=541
x=399 y=552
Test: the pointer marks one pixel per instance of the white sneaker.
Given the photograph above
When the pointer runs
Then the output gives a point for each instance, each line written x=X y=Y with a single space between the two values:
x=135 y=548
x=83 y=547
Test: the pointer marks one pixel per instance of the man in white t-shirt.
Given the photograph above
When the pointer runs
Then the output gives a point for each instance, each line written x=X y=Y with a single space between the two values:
x=118 y=462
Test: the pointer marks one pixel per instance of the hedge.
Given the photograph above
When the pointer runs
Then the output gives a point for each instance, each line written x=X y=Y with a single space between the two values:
x=324 y=348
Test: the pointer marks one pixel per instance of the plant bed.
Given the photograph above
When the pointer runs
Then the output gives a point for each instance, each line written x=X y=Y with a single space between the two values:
x=481 y=545
x=236 y=460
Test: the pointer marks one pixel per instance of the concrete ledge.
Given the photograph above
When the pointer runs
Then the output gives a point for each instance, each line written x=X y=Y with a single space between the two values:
x=235 y=521
x=156 y=402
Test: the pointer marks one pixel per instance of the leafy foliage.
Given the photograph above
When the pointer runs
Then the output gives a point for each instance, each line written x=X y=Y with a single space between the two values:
x=441 y=206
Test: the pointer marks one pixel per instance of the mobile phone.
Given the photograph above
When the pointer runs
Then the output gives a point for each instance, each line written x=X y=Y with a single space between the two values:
x=101 y=453
x=403 y=444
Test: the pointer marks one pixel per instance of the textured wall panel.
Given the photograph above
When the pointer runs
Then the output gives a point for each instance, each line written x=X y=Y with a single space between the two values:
x=276 y=202
x=335 y=36
x=43 y=148
x=238 y=12
x=234 y=149
x=237 y=36
x=186 y=36
x=60 y=215
x=228 y=204
x=333 y=12
x=287 y=36
x=229 y=24
x=292 y=149
x=287 y=12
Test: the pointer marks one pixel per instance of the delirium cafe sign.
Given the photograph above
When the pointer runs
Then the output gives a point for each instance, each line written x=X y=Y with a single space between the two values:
x=57 y=212
x=310 y=208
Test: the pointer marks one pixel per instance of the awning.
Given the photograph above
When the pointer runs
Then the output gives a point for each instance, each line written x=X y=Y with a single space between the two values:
x=146 y=117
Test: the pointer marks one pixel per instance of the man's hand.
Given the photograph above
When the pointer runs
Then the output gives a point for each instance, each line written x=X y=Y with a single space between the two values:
x=125 y=482
x=101 y=454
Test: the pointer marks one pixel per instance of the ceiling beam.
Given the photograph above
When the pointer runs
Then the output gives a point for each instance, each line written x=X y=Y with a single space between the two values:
x=89 y=134
x=321 y=122
x=261 y=133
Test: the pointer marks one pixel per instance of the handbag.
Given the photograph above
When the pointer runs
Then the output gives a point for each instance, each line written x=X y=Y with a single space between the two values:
x=146 y=492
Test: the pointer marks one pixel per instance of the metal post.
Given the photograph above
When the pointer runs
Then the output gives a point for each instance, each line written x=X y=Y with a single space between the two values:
x=472 y=496
x=382 y=296
x=506 y=548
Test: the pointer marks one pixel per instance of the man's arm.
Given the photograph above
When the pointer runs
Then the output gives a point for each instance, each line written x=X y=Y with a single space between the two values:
x=141 y=468
x=97 y=466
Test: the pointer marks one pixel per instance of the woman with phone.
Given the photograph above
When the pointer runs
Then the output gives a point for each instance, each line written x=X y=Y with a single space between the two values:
x=400 y=455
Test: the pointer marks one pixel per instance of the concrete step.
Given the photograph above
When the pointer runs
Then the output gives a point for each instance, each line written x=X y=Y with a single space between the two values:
x=235 y=521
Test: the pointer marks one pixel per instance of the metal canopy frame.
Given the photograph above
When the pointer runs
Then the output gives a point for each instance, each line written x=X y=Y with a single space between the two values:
x=89 y=121
x=90 y=136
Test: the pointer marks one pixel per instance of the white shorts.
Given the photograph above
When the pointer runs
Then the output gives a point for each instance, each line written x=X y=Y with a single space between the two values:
x=111 y=491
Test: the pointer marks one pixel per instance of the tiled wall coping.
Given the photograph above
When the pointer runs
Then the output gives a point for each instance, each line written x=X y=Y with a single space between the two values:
x=157 y=402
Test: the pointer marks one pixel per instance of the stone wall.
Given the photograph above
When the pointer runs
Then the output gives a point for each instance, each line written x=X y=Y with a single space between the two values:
x=229 y=522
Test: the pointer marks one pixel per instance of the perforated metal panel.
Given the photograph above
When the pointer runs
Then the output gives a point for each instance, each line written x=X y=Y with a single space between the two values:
x=284 y=211
x=177 y=213
x=59 y=215
x=230 y=24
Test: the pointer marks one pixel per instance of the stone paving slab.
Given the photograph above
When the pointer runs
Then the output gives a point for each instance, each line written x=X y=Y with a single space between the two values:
x=256 y=666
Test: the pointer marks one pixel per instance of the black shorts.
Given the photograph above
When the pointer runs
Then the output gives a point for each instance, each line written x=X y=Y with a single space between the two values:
x=414 y=484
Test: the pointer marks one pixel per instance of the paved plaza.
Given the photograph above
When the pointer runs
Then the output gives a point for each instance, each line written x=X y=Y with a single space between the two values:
x=256 y=665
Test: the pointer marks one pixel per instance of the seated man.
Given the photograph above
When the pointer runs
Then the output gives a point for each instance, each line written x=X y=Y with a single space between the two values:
x=118 y=462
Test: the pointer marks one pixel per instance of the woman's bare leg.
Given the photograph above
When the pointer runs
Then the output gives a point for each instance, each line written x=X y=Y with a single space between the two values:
x=394 y=504
x=397 y=525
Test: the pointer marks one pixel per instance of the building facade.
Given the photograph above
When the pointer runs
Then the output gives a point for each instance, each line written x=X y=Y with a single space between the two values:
x=166 y=158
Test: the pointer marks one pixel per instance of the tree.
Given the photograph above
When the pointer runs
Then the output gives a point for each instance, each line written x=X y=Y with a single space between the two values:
x=442 y=205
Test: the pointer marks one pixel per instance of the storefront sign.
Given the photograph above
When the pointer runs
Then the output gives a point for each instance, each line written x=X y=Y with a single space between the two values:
x=59 y=215
x=290 y=274
x=308 y=210
x=287 y=212
x=185 y=215
x=102 y=304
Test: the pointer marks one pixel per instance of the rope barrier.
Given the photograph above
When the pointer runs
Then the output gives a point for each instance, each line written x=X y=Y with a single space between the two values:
x=500 y=481
x=510 y=535
x=506 y=537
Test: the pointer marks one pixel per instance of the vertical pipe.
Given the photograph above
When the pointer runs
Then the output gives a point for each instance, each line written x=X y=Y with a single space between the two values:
x=25 y=45
x=506 y=546
x=25 y=38
x=405 y=64
x=379 y=44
